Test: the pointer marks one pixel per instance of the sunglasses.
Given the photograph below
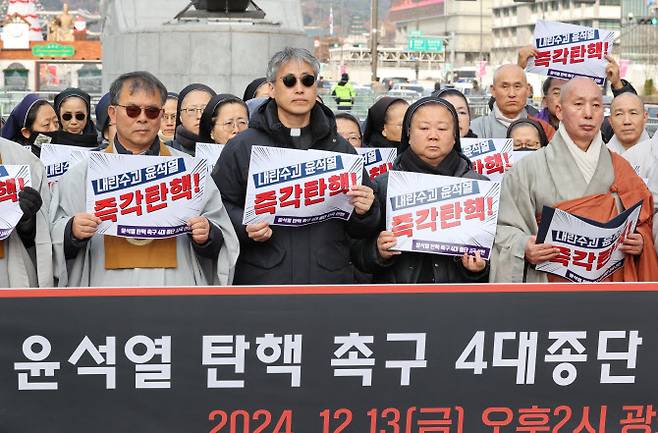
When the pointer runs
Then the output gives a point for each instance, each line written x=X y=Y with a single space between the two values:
x=290 y=80
x=134 y=111
x=78 y=116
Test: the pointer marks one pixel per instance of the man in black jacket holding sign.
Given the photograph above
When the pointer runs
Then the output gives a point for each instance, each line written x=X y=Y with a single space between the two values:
x=313 y=254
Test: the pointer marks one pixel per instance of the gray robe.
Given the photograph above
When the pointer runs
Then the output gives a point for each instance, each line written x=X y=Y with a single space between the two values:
x=88 y=267
x=31 y=267
x=548 y=176
x=489 y=127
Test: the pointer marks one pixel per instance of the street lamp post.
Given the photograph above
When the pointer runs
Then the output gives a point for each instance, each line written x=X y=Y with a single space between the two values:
x=374 y=57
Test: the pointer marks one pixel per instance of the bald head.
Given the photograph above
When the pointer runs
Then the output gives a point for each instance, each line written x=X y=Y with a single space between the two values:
x=510 y=90
x=510 y=72
x=628 y=118
x=579 y=85
x=627 y=99
x=581 y=111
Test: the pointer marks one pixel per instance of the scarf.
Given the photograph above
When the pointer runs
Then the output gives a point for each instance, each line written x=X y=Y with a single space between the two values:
x=615 y=145
x=505 y=120
x=185 y=140
x=585 y=160
x=409 y=161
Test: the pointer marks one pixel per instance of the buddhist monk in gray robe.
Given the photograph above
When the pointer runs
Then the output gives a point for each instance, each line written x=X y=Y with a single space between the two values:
x=576 y=167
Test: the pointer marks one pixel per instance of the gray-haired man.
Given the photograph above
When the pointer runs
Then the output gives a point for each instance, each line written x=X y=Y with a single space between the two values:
x=313 y=254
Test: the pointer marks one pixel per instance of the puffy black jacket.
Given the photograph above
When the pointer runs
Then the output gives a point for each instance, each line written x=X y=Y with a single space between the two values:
x=406 y=267
x=314 y=254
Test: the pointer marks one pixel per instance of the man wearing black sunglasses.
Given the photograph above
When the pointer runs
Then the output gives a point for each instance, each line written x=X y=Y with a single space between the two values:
x=205 y=256
x=314 y=254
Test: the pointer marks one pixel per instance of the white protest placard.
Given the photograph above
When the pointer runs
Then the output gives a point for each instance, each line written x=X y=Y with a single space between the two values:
x=145 y=197
x=210 y=152
x=13 y=178
x=589 y=251
x=293 y=187
x=58 y=158
x=377 y=160
x=440 y=214
x=567 y=50
x=491 y=157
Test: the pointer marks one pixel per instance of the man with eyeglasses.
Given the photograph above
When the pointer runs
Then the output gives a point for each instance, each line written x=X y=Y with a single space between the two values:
x=313 y=254
x=205 y=256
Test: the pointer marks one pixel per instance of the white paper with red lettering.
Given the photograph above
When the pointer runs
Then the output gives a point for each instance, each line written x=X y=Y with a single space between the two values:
x=377 y=160
x=210 y=152
x=291 y=187
x=568 y=50
x=491 y=157
x=145 y=197
x=589 y=251
x=442 y=215
x=58 y=158
x=13 y=178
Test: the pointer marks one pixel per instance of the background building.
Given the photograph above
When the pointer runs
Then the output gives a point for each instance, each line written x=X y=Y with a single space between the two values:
x=465 y=24
x=513 y=23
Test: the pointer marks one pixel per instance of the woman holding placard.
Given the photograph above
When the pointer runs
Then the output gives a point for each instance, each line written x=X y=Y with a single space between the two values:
x=430 y=144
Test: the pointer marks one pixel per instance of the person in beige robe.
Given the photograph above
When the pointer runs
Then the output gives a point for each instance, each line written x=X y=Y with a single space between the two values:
x=575 y=164
x=22 y=267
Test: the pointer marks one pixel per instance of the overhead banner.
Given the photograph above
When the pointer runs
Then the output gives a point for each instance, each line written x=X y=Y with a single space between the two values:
x=421 y=359
x=292 y=187
x=210 y=152
x=441 y=214
x=491 y=157
x=566 y=50
x=13 y=178
x=377 y=160
x=589 y=251
x=145 y=197
x=57 y=158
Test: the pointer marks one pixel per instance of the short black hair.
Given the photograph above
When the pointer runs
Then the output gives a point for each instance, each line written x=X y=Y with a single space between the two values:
x=546 y=86
x=138 y=80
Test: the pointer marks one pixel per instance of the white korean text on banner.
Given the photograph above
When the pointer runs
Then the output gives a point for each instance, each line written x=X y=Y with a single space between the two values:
x=491 y=157
x=441 y=214
x=293 y=187
x=146 y=197
x=377 y=160
x=210 y=152
x=58 y=158
x=589 y=251
x=566 y=51
x=13 y=178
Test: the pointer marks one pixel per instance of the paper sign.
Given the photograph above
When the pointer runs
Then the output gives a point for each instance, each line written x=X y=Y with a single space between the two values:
x=58 y=158
x=589 y=251
x=491 y=157
x=293 y=187
x=566 y=51
x=210 y=152
x=145 y=197
x=441 y=214
x=377 y=160
x=13 y=178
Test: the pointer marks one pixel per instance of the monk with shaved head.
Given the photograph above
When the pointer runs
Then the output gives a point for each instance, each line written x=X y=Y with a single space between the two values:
x=627 y=118
x=510 y=91
x=577 y=173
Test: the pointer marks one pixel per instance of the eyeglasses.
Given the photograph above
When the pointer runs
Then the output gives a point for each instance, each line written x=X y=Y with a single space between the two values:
x=193 y=110
x=353 y=139
x=135 y=110
x=290 y=80
x=78 y=116
x=230 y=125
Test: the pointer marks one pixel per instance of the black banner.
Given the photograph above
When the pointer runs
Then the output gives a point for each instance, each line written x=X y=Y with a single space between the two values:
x=371 y=359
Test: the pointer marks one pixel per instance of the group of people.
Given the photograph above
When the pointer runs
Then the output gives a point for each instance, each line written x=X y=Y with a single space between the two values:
x=577 y=164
